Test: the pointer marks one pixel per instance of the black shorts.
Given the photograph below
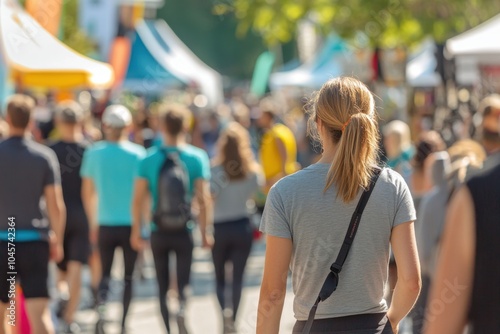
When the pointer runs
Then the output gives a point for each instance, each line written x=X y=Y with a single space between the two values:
x=76 y=241
x=31 y=269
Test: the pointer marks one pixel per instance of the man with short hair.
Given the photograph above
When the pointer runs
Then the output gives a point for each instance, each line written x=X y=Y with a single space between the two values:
x=69 y=150
x=30 y=186
x=194 y=162
x=489 y=110
x=108 y=171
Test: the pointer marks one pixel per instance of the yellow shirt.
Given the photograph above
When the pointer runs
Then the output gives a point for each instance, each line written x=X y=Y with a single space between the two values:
x=269 y=153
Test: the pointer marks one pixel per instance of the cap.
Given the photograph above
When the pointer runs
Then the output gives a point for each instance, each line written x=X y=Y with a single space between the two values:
x=69 y=112
x=116 y=116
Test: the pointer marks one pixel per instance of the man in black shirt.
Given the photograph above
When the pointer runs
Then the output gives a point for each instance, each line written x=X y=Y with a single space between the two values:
x=29 y=186
x=69 y=151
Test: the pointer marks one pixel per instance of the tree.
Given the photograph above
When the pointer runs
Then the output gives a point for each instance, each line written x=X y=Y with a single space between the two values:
x=211 y=37
x=71 y=33
x=387 y=23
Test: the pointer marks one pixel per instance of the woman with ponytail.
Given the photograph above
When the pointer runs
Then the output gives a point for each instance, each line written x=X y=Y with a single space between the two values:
x=307 y=216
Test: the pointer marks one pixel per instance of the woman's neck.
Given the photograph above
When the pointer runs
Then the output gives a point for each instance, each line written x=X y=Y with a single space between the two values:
x=328 y=154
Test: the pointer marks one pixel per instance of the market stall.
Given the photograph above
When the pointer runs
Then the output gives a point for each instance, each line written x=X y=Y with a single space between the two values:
x=33 y=58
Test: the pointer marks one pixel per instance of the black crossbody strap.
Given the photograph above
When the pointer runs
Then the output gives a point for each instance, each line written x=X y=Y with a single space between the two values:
x=332 y=280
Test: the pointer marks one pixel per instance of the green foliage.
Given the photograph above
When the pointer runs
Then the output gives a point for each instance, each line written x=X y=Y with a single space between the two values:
x=387 y=23
x=71 y=34
x=209 y=31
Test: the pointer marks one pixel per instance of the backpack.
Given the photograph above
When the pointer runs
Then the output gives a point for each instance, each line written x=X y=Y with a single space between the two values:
x=173 y=208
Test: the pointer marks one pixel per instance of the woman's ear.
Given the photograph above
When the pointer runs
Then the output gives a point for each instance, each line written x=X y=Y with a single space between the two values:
x=319 y=125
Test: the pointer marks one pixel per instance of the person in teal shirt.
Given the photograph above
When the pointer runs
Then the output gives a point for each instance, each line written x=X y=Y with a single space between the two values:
x=108 y=171
x=194 y=159
x=197 y=166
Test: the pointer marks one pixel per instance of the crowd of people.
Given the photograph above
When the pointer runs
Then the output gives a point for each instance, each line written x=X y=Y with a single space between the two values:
x=73 y=192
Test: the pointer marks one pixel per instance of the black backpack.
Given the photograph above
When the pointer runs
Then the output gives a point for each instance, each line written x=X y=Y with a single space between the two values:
x=173 y=208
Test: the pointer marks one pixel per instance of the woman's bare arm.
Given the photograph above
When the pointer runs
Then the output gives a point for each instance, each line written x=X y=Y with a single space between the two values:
x=273 y=289
x=409 y=283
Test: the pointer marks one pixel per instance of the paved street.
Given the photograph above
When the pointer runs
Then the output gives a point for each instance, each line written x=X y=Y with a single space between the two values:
x=203 y=309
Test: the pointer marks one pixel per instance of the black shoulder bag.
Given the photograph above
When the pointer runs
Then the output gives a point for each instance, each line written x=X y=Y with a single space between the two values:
x=332 y=280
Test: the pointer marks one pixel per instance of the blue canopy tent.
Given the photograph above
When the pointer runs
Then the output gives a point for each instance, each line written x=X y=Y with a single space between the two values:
x=335 y=58
x=324 y=66
x=159 y=60
x=145 y=74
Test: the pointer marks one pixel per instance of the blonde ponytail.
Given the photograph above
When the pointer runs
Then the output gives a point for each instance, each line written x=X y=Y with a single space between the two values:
x=346 y=108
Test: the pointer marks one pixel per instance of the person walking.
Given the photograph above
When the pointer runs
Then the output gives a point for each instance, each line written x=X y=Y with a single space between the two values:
x=108 y=171
x=306 y=219
x=278 y=148
x=69 y=151
x=31 y=230
x=175 y=176
x=469 y=248
x=397 y=144
x=235 y=180
x=489 y=112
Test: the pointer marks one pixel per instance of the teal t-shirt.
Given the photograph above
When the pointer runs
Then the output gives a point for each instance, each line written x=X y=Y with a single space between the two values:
x=113 y=168
x=195 y=160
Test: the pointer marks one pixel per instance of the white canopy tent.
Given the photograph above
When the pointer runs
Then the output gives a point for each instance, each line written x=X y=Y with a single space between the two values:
x=478 y=46
x=420 y=69
x=35 y=58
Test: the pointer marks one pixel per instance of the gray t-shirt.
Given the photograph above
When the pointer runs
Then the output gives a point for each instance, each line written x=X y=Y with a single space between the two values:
x=317 y=221
x=231 y=197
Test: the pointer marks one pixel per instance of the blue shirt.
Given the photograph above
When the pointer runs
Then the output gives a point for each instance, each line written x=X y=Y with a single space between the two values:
x=195 y=160
x=113 y=167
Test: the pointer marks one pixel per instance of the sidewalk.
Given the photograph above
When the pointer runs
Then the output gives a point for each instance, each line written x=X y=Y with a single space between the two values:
x=202 y=310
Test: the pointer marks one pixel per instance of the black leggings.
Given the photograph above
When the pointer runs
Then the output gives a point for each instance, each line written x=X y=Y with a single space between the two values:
x=181 y=243
x=111 y=237
x=233 y=242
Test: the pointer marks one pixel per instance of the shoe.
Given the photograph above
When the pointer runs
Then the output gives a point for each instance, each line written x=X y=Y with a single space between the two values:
x=229 y=326
x=72 y=328
x=101 y=311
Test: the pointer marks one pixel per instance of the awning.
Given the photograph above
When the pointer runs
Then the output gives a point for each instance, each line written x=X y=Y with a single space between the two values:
x=335 y=59
x=37 y=59
x=146 y=72
x=478 y=46
x=482 y=40
x=159 y=59
x=421 y=68
x=326 y=65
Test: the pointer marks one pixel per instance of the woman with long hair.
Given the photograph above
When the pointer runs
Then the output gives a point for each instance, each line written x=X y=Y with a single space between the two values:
x=235 y=180
x=307 y=216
